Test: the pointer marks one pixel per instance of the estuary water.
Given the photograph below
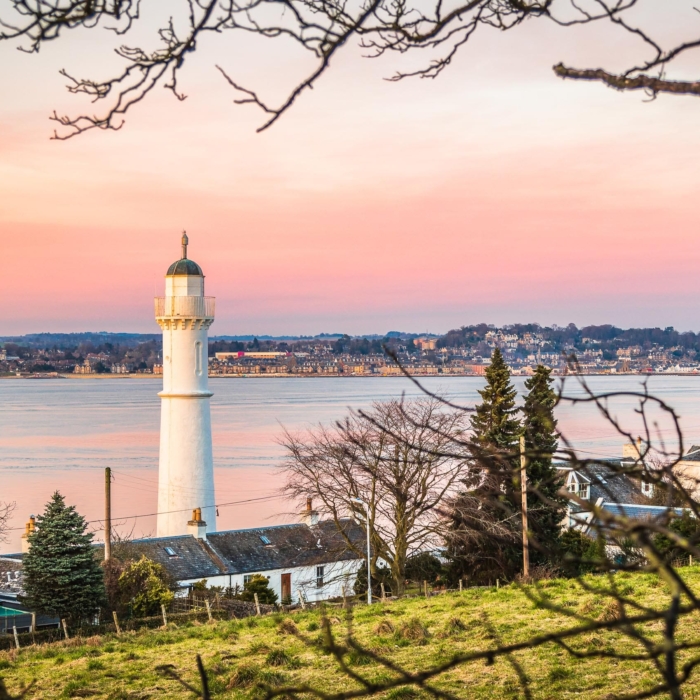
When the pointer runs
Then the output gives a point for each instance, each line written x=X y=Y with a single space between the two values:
x=60 y=434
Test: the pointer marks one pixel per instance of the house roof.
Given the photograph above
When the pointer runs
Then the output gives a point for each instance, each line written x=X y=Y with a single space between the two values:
x=692 y=455
x=249 y=551
x=190 y=559
x=610 y=482
x=640 y=512
x=284 y=546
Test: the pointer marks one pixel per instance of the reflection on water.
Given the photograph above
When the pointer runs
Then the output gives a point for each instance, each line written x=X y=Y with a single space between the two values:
x=60 y=434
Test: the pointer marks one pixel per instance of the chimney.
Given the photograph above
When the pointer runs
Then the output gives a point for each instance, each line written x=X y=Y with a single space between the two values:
x=309 y=516
x=634 y=450
x=197 y=527
x=29 y=530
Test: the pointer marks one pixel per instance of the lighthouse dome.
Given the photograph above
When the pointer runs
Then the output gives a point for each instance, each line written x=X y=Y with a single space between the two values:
x=185 y=266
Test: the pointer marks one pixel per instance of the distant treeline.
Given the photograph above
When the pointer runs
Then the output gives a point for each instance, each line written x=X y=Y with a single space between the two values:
x=551 y=338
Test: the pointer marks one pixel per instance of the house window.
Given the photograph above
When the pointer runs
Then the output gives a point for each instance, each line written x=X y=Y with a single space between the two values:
x=582 y=490
x=265 y=539
x=247 y=578
x=319 y=576
x=170 y=552
x=647 y=488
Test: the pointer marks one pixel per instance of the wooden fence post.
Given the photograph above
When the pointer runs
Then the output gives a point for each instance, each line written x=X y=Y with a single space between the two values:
x=301 y=599
x=257 y=604
x=460 y=585
x=33 y=627
x=165 y=618
x=14 y=631
x=383 y=591
x=65 y=628
x=116 y=623
x=345 y=600
x=425 y=588
x=211 y=619
x=498 y=584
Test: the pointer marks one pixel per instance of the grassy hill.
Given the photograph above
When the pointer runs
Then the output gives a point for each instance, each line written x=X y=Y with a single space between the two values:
x=415 y=633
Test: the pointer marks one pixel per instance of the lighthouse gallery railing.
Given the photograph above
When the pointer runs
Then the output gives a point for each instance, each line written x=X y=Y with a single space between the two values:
x=185 y=307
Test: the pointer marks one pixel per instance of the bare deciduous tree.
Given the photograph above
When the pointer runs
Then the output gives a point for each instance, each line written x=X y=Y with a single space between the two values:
x=6 y=510
x=391 y=458
x=323 y=28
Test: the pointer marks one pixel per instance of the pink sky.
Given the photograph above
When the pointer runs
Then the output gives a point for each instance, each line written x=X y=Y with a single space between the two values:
x=496 y=193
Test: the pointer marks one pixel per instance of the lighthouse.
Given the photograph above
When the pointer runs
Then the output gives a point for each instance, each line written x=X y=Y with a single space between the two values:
x=186 y=465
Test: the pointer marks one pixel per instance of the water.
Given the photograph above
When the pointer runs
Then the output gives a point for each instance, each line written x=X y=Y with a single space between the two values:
x=61 y=434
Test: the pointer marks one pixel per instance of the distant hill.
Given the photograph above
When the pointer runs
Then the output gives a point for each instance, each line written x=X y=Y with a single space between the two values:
x=67 y=340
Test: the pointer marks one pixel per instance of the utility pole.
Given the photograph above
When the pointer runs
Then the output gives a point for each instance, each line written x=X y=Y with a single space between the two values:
x=369 y=549
x=108 y=513
x=523 y=493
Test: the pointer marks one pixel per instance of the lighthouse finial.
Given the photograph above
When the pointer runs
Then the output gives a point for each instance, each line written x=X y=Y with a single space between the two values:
x=184 y=245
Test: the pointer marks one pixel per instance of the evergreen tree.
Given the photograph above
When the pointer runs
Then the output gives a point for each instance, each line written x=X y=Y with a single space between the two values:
x=61 y=574
x=260 y=585
x=485 y=535
x=494 y=422
x=546 y=508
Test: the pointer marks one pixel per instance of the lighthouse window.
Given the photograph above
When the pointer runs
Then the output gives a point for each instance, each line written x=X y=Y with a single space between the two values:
x=198 y=358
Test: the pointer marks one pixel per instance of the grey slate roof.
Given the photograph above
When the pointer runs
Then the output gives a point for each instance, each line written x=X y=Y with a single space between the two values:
x=609 y=483
x=244 y=551
x=692 y=455
x=185 y=266
x=191 y=560
x=640 y=512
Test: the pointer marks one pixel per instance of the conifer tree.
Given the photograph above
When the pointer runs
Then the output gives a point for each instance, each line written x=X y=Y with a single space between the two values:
x=494 y=422
x=61 y=574
x=546 y=508
x=484 y=538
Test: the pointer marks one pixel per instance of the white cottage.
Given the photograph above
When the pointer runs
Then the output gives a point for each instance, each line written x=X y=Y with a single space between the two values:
x=312 y=558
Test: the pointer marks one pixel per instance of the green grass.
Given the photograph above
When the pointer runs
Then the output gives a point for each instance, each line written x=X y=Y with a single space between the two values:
x=415 y=633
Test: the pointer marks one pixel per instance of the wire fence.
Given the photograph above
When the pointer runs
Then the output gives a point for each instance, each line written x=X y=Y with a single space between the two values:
x=203 y=606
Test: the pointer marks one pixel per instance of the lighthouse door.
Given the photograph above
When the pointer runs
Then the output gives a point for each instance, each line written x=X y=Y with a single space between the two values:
x=286 y=587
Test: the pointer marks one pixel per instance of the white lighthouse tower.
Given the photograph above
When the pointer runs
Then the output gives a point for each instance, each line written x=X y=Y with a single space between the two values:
x=186 y=465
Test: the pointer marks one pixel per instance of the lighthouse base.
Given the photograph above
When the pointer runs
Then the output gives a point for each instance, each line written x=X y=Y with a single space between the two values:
x=186 y=464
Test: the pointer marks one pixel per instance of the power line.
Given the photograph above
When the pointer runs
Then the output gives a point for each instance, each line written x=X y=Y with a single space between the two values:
x=167 y=512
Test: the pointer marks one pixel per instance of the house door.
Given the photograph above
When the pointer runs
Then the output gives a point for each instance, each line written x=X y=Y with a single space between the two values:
x=286 y=587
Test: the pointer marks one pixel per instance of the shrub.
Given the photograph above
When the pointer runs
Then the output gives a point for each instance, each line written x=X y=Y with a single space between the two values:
x=686 y=526
x=144 y=583
x=260 y=585
x=382 y=575
x=424 y=567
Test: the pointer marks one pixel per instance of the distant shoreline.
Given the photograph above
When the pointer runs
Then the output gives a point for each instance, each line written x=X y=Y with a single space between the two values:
x=339 y=376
